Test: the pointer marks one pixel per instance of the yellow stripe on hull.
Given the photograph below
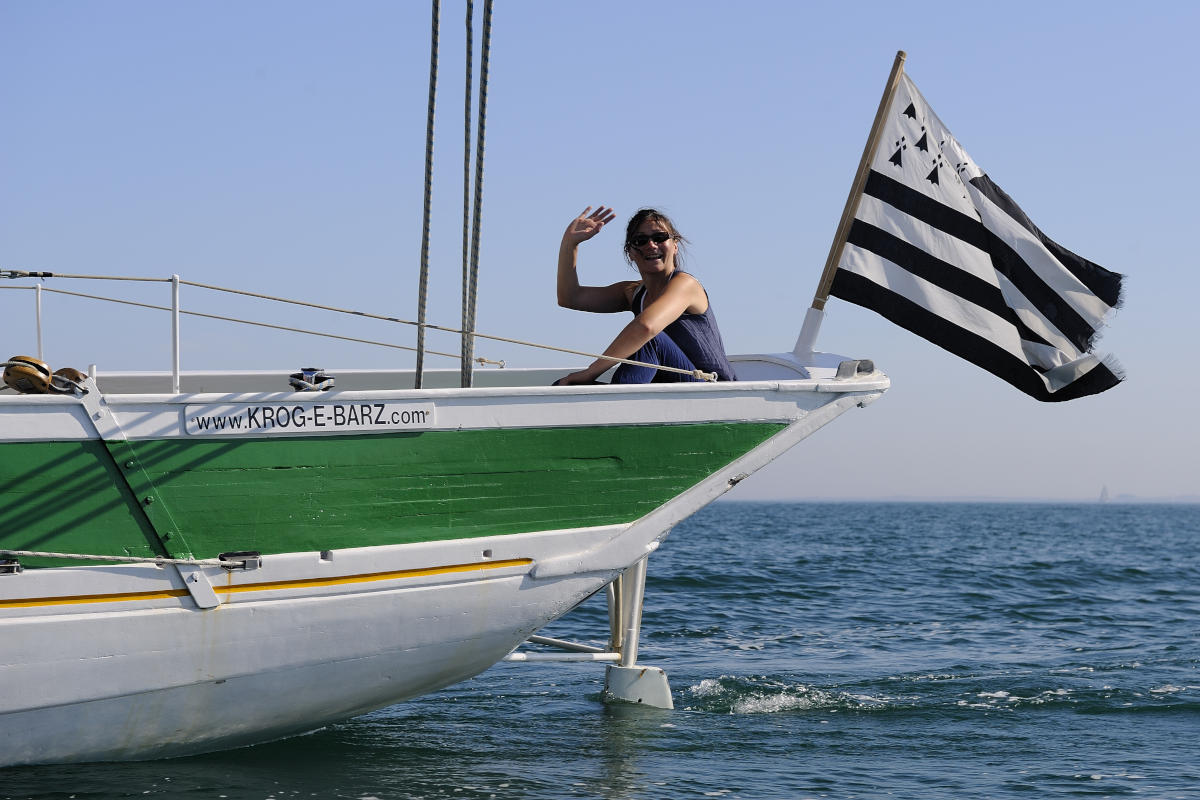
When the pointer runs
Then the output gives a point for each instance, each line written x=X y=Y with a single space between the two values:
x=266 y=586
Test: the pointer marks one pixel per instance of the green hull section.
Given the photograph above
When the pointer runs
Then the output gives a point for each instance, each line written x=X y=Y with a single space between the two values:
x=205 y=496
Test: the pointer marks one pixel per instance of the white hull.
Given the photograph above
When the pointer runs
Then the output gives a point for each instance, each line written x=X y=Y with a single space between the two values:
x=119 y=662
x=135 y=685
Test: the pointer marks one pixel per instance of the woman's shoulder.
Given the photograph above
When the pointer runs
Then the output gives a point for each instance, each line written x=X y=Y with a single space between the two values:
x=690 y=284
x=686 y=284
x=686 y=280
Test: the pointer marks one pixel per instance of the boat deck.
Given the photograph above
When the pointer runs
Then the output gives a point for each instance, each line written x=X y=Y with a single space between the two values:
x=752 y=367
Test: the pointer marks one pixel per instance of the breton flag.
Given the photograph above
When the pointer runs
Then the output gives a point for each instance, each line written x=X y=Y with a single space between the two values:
x=939 y=249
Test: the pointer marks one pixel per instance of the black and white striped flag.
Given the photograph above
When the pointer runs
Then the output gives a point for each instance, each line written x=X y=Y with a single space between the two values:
x=939 y=249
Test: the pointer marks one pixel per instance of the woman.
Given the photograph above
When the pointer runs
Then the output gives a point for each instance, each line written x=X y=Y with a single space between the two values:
x=673 y=322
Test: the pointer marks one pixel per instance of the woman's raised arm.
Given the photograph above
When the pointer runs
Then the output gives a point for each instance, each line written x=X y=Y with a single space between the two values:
x=601 y=299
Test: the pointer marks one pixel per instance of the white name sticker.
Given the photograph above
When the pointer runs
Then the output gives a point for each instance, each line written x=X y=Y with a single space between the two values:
x=268 y=418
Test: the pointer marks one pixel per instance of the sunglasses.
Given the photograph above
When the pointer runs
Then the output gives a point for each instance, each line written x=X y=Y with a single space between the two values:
x=658 y=237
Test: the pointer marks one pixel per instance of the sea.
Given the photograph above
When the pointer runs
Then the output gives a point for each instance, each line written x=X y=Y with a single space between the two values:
x=840 y=650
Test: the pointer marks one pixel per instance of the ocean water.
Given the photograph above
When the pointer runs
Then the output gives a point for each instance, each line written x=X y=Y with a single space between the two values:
x=814 y=650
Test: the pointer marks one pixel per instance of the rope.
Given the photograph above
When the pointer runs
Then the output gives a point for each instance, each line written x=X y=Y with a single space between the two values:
x=200 y=562
x=476 y=212
x=465 y=343
x=57 y=384
x=423 y=283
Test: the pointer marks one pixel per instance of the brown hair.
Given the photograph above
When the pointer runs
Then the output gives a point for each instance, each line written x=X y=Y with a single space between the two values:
x=653 y=215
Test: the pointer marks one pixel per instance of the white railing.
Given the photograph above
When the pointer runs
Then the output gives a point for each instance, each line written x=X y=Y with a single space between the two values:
x=177 y=312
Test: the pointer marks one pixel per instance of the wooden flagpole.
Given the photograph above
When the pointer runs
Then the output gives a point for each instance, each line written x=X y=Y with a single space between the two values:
x=812 y=320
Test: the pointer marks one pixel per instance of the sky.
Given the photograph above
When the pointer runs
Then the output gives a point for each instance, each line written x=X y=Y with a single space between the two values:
x=278 y=147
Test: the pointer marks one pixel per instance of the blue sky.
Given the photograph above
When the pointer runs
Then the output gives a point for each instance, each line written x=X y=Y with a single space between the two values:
x=278 y=147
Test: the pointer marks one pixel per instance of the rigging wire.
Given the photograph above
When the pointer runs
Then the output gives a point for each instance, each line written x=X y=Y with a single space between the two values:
x=465 y=378
x=255 y=323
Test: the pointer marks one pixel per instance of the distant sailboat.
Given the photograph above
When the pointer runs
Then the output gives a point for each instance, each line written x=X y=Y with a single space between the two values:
x=1103 y=494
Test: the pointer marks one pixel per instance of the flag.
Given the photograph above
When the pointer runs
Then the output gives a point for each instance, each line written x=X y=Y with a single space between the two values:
x=939 y=249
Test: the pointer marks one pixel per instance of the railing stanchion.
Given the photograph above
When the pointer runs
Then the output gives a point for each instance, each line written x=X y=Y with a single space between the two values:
x=37 y=293
x=175 y=334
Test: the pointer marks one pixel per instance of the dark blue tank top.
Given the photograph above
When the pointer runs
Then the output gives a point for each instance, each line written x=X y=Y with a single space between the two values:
x=697 y=336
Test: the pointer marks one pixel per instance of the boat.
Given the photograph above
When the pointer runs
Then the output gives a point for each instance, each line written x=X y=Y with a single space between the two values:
x=198 y=560
x=195 y=560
